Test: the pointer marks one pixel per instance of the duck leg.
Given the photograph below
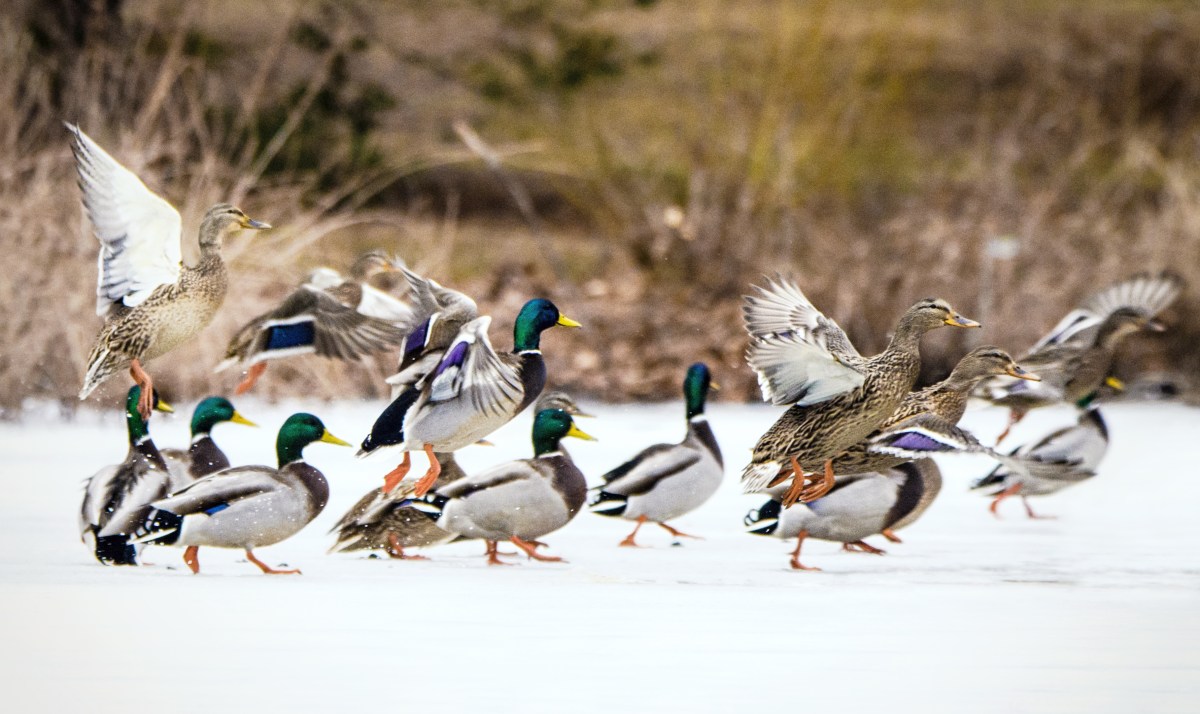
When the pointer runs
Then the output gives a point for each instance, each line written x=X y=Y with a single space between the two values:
x=678 y=533
x=796 y=553
x=890 y=535
x=146 y=398
x=629 y=541
x=1031 y=514
x=815 y=491
x=493 y=556
x=865 y=547
x=191 y=557
x=266 y=568
x=396 y=475
x=531 y=550
x=256 y=370
x=1014 y=416
x=797 y=487
x=395 y=550
x=435 y=470
x=1011 y=490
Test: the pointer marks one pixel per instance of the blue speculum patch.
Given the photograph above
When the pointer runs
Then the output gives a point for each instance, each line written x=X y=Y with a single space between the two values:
x=298 y=334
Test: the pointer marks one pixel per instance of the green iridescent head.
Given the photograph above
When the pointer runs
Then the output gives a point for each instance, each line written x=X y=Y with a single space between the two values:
x=695 y=388
x=536 y=317
x=138 y=428
x=213 y=411
x=299 y=431
x=550 y=426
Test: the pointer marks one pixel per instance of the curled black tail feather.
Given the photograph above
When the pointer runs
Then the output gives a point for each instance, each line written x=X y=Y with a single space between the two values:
x=161 y=528
x=604 y=503
x=115 y=550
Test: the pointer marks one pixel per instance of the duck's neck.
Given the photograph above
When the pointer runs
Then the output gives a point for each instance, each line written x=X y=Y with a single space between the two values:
x=546 y=445
x=139 y=430
x=533 y=378
x=700 y=430
x=907 y=339
x=289 y=451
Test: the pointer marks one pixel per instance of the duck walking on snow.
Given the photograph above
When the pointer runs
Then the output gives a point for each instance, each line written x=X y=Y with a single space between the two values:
x=117 y=498
x=666 y=481
x=247 y=506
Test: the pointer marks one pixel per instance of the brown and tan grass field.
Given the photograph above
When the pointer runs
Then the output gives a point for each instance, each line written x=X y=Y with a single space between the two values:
x=656 y=158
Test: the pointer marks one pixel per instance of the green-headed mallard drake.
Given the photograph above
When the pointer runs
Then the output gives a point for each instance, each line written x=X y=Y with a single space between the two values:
x=838 y=397
x=519 y=501
x=472 y=392
x=1062 y=458
x=203 y=457
x=439 y=314
x=666 y=481
x=117 y=498
x=246 y=506
x=150 y=301
x=329 y=315
x=857 y=507
x=388 y=522
x=1077 y=355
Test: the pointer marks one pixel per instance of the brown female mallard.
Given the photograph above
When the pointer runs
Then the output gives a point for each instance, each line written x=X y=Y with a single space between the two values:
x=151 y=302
x=837 y=396
x=1077 y=355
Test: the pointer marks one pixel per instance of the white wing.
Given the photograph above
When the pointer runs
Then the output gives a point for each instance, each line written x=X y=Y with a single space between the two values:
x=139 y=232
x=801 y=356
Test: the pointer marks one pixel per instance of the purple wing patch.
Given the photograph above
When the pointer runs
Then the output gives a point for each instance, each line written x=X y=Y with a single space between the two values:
x=914 y=441
x=454 y=358
x=416 y=340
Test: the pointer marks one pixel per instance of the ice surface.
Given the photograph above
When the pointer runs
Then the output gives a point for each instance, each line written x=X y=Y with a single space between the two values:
x=1096 y=611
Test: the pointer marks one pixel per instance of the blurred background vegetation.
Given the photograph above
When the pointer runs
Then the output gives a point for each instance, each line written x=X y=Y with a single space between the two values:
x=641 y=163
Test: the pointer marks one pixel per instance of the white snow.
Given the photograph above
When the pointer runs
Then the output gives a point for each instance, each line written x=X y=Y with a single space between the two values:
x=1096 y=611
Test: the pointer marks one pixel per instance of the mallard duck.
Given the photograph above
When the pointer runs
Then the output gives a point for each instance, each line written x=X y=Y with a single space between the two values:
x=150 y=301
x=329 y=315
x=1077 y=355
x=472 y=392
x=855 y=508
x=203 y=457
x=666 y=481
x=387 y=522
x=117 y=498
x=246 y=506
x=1062 y=458
x=837 y=396
x=946 y=399
x=439 y=314
x=519 y=501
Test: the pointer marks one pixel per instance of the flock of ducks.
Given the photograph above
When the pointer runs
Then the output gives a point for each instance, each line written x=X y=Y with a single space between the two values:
x=848 y=459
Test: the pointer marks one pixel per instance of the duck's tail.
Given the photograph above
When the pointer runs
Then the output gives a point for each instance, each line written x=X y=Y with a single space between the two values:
x=102 y=365
x=758 y=477
x=115 y=550
x=605 y=503
x=764 y=519
x=160 y=528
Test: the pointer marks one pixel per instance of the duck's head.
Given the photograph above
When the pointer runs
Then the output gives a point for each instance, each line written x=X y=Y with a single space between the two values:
x=764 y=520
x=537 y=316
x=299 y=431
x=223 y=219
x=559 y=400
x=138 y=429
x=696 y=386
x=931 y=313
x=551 y=426
x=1124 y=322
x=372 y=263
x=989 y=361
x=213 y=411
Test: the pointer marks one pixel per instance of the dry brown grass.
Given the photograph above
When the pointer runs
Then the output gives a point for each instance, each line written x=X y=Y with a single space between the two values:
x=872 y=151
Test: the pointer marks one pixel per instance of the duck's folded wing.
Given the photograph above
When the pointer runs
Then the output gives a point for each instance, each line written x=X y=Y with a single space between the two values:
x=649 y=468
x=139 y=232
x=219 y=491
x=510 y=474
x=800 y=356
x=472 y=371
x=311 y=321
x=924 y=435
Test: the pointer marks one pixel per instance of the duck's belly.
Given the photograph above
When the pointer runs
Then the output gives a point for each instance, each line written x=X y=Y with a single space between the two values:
x=677 y=495
x=495 y=517
x=851 y=513
x=180 y=320
x=251 y=523
x=443 y=426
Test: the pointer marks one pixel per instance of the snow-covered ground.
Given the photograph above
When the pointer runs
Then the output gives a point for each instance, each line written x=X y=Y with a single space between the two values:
x=1097 y=611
